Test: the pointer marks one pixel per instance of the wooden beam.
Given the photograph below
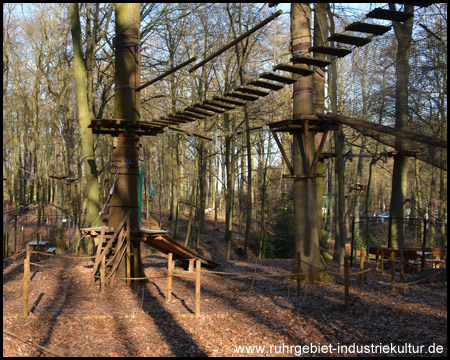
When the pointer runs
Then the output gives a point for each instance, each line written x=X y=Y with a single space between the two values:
x=168 y=72
x=191 y=133
x=354 y=122
x=235 y=41
x=283 y=153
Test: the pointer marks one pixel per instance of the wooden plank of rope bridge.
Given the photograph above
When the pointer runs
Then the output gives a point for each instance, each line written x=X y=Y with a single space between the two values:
x=329 y=50
x=385 y=14
x=253 y=91
x=351 y=40
x=279 y=78
x=309 y=61
x=187 y=112
x=200 y=111
x=210 y=108
x=266 y=84
x=368 y=28
x=239 y=95
x=293 y=69
x=229 y=101
x=219 y=104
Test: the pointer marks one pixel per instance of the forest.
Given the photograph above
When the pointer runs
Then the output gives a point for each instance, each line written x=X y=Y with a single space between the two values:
x=277 y=146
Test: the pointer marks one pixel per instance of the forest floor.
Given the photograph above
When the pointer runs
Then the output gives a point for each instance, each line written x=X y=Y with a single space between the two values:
x=70 y=318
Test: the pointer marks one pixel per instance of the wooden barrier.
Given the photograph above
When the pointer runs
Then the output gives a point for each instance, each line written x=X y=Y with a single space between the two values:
x=393 y=271
x=198 y=266
x=102 y=274
x=346 y=284
x=169 y=277
x=136 y=268
x=26 y=280
x=362 y=255
x=298 y=266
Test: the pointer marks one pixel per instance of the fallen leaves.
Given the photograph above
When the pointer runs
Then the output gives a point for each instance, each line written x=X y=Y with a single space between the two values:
x=82 y=322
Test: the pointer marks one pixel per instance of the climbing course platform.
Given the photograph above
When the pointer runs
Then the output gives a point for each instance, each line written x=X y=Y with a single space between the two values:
x=157 y=239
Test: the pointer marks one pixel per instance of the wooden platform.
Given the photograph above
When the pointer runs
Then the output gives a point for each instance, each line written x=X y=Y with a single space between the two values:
x=159 y=240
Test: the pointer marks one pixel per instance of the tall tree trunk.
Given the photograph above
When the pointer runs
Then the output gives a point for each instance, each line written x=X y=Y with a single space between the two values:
x=125 y=155
x=87 y=143
x=305 y=202
x=403 y=33
x=320 y=36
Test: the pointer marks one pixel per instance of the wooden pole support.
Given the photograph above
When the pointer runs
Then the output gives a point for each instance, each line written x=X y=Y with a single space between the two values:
x=169 y=277
x=198 y=269
x=102 y=275
x=362 y=255
x=402 y=267
x=191 y=265
x=128 y=260
x=393 y=270
x=346 y=284
x=26 y=280
x=298 y=267
x=136 y=267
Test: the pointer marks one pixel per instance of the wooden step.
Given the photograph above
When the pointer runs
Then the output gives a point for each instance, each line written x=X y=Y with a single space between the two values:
x=266 y=84
x=279 y=78
x=368 y=28
x=252 y=91
x=210 y=108
x=293 y=69
x=328 y=50
x=239 y=95
x=229 y=101
x=219 y=104
x=347 y=39
x=391 y=15
x=310 y=61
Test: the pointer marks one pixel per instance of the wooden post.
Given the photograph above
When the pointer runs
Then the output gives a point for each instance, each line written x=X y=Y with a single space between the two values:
x=393 y=270
x=102 y=275
x=346 y=284
x=136 y=267
x=362 y=255
x=191 y=265
x=402 y=271
x=198 y=266
x=382 y=261
x=128 y=261
x=298 y=266
x=169 y=277
x=26 y=281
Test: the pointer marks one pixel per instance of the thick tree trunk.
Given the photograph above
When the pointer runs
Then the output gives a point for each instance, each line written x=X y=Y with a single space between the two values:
x=403 y=33
x=87 y=144
x=125 y=155
x=305 y=202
